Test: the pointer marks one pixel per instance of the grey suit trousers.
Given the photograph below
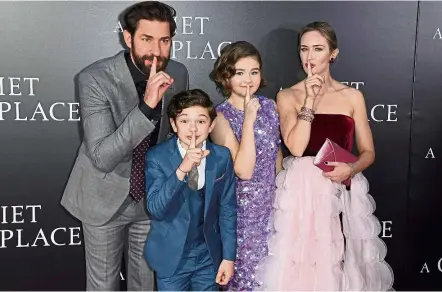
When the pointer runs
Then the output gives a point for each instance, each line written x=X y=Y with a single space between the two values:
x=104 y=250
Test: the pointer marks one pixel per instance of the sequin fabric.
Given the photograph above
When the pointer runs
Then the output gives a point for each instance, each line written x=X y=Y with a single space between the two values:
x=255 y=197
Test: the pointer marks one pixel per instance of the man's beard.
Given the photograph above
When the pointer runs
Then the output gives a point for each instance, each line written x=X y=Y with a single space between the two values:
x=140 y=62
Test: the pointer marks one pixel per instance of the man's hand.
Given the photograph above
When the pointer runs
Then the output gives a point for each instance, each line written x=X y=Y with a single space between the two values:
x=157 y=85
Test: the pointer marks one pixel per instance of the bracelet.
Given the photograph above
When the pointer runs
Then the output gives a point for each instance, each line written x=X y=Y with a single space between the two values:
x=305 y=117
x=182 y=170
x=306 y=114
x=306 y=110
x=352 y=166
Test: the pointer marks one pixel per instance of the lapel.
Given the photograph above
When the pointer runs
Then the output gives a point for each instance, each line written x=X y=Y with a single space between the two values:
x=164 y=123
x=128 y=93
x=211 y=166
x=175 y=157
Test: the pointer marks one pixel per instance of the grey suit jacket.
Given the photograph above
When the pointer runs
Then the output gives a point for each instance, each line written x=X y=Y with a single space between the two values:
x=113 y=126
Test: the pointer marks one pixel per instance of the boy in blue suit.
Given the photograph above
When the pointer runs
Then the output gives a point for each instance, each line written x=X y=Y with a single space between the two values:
x=190 y=185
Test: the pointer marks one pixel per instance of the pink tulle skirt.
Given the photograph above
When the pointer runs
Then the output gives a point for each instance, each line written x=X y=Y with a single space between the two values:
x=307 y=250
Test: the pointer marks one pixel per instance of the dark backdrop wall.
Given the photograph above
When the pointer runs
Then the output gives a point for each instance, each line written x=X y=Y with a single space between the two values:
x=388 y=50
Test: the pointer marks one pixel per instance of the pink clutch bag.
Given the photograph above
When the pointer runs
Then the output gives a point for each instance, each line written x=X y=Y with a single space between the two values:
x=330 y=151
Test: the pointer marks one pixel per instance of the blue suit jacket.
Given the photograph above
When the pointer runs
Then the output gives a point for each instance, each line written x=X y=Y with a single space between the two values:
x=167 y=201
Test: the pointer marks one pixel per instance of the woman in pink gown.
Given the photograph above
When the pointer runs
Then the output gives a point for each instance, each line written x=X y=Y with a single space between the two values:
x=325 y=235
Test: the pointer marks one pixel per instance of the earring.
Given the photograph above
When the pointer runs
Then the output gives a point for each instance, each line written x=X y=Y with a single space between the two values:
x=332 y=60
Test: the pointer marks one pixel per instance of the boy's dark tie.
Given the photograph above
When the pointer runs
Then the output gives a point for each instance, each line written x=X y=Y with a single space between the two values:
x=192 y=178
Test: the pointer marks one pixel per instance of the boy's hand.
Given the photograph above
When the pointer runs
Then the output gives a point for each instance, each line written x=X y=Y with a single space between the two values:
x=193 y=156
x=225 y=272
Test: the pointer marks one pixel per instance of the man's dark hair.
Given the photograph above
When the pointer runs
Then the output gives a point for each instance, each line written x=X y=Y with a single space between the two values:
x=149 y=10
x=190 y=98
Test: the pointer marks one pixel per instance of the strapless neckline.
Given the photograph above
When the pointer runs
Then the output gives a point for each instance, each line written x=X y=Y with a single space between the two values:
x=327 y=114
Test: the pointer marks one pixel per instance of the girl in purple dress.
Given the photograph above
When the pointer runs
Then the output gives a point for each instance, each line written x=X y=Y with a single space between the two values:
x=249 y=126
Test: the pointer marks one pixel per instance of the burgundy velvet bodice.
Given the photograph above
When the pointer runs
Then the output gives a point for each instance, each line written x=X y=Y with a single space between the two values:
x=336 y=127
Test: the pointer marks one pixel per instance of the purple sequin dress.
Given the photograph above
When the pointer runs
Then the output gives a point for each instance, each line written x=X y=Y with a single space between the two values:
x=255 y=197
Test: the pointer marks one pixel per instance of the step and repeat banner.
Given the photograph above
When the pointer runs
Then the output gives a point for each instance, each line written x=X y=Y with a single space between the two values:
x=390 y=51
x=424 y=212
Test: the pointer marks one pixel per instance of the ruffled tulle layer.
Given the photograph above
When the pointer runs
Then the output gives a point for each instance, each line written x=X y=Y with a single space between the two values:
x=307 y=250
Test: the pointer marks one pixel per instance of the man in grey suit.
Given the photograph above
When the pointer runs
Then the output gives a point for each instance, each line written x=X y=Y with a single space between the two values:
x=123 y=100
